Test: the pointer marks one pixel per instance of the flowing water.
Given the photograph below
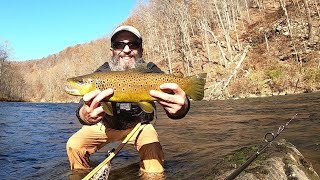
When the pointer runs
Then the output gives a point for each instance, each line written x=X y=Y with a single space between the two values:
x=33 y=136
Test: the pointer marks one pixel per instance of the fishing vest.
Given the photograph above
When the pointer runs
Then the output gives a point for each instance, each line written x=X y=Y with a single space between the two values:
x=127 y=115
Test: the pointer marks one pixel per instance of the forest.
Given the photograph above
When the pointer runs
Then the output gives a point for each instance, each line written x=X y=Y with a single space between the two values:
x=249 y=48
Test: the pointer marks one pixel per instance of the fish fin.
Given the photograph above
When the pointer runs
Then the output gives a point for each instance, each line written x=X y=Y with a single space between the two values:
x=142 y=68
x=196 y=90
x=146 y=107
x=178 y=74
x=107 y=107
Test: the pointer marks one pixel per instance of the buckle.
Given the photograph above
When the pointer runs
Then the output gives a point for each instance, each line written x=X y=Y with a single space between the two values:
x=125 y=106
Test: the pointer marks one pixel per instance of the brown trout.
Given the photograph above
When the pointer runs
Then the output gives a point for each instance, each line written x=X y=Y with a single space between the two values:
x=133 y=86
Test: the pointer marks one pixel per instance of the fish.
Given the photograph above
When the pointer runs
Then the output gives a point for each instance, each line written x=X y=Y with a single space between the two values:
x=134 y=86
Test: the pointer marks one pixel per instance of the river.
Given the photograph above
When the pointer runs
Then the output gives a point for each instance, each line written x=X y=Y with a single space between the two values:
x=33 y=136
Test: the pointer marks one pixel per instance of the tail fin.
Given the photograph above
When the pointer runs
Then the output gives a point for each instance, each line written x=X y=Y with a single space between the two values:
x=196 y=91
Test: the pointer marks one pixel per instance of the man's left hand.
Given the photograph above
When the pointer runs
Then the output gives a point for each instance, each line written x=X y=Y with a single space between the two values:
x=172 y=98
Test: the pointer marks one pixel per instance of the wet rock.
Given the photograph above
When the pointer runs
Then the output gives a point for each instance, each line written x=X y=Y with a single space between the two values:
x=281 y=160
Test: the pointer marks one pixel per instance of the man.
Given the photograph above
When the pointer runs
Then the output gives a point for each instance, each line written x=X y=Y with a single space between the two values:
x=100 y=128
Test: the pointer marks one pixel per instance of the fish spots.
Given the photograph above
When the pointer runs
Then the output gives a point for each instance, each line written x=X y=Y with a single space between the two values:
x=99 y=84
x=132 y=84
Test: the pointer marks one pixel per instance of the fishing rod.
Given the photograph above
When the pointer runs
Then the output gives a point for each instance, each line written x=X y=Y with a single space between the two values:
x=103 y=169
x=268 y=138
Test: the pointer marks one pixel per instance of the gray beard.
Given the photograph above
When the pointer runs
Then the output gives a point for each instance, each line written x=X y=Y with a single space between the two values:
x=114 y=64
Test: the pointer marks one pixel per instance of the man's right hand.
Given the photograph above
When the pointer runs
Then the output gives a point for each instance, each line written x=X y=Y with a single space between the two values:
x=92 y=112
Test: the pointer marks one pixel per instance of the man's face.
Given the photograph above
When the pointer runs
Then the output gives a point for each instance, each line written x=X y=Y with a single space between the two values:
x=125 y=48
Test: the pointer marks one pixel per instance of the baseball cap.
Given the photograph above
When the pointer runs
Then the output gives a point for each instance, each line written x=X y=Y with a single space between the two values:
x=131 y=29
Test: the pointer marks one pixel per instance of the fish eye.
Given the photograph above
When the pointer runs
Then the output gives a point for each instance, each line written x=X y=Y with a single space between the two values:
x=80 y=81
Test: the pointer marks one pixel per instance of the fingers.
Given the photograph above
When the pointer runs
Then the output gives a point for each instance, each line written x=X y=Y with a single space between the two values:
x=91 y=117
x=92 y=111
x=96 y=115
x=171 y=97
x=171 y=86
x=87 y=98
x=171 y=93
x=99 y=97
x=171 y=108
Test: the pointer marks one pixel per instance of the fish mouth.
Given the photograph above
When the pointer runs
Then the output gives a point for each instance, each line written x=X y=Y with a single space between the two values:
x=72 y=90
x=78 y=87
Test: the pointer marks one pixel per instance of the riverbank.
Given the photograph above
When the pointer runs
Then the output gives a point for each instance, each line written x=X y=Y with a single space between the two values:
x=265 y=49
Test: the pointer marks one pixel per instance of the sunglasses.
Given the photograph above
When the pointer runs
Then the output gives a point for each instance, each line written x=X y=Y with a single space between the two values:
x=122 y=45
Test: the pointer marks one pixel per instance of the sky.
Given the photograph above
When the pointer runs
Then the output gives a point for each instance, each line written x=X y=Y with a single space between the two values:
x=34 y=29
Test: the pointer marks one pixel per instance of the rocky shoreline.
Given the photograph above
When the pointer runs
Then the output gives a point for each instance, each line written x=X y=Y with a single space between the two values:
x=282 y=160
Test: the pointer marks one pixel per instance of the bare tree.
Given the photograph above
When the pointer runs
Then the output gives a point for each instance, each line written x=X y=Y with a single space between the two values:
x=3 y=67
x=306 y=6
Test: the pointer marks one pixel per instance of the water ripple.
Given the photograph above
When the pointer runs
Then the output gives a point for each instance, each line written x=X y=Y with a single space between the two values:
x=33 y=135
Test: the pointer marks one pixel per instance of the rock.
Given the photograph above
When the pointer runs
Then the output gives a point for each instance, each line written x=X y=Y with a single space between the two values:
x=281 y=160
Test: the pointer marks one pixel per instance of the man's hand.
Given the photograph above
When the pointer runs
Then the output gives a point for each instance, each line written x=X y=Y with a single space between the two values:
x=173 y=99
x=92 y=112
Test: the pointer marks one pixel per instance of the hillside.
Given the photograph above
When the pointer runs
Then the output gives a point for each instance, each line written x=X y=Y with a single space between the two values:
x=248 y=48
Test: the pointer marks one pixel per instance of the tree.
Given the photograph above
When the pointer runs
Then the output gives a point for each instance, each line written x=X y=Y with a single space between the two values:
x=3 y=58
x=11 y=81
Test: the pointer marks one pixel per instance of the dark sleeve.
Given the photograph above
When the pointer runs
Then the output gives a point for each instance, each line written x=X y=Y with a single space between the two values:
x=78 y=114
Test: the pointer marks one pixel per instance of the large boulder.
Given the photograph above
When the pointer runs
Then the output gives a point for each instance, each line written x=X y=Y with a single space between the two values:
x=281 y=160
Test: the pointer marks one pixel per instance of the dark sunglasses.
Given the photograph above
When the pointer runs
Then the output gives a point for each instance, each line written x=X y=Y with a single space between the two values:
x=121 y=45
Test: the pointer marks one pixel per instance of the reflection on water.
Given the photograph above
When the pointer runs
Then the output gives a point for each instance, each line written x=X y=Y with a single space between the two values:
x=32 y=139
x=33 y=136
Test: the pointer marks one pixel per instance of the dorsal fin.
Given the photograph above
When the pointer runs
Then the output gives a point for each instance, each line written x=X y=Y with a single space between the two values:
x=146 y=107
x=107 y=107
x=142 y=68
x=178 y=74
